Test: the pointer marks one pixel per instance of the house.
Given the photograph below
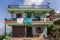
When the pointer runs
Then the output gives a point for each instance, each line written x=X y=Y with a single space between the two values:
x=29 y=21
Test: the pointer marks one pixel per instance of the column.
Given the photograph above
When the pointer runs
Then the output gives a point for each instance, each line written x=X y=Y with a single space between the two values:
x=34 y=30
x=45 y=30
x=45 y=18
x=11 y=31
x=5 y=28
x=25 y=31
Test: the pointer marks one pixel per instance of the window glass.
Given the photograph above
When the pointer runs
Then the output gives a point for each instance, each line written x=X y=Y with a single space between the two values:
x=19 y=15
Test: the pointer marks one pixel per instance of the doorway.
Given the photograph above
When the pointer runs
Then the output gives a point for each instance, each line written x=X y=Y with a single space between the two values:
x=29 y=32
x=18 y=31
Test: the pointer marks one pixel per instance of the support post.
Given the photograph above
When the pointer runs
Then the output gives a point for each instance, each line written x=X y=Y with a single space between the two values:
x=46 y=31
x=5 y=28
x=25 y=31
x=11 y=32
x=34 y=30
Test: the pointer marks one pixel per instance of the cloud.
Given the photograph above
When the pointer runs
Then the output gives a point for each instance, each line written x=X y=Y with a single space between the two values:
x=2 y=28
x=30 y=2
x=57 y=11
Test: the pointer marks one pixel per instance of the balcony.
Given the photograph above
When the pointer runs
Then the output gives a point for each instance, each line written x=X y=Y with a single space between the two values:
x=29 y=21
x=28 y=6
x=10 y=20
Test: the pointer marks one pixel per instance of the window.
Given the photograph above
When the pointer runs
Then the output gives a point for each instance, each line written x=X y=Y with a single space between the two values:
x=29 y=15
x=19 y=16
x=37 y=18
x=39 y=30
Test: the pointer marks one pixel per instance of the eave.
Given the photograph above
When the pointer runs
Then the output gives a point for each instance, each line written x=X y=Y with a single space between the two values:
x=29 y=9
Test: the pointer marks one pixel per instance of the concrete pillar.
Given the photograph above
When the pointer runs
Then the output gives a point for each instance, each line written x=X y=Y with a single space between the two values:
x=11 y=31
x=25 y=31
x=34 y=30
x=45 y=31
x=45 y=18
x=14 y=15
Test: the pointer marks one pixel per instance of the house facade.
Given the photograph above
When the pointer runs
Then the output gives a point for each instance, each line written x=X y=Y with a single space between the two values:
x=29 y=21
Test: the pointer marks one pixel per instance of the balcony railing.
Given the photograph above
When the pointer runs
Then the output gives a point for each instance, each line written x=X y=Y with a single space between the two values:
x=28 y=6
x=28 y=20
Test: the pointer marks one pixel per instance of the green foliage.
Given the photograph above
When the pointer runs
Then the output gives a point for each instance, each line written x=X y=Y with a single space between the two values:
x=53 y=32
x=52 y=12
x=49 y=28
x=2 y=37
x=5 y=37
x=57 y=22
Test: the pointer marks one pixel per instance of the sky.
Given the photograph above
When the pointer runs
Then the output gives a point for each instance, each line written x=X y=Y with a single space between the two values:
x=55 y=4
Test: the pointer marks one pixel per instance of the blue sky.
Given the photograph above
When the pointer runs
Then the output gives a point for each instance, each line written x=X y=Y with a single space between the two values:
x=3 y=6
x=55 y=4
x=4 y=3
x=4 y=14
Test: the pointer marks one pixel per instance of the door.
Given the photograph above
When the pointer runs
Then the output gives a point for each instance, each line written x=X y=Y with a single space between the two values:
x=18 y=31
x=29 y=32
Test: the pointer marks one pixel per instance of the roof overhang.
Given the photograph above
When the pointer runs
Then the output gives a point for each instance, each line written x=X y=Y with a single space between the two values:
x=29 y=9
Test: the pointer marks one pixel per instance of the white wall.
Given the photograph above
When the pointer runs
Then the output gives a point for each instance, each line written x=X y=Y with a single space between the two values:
x=19 y=20
x=14 y=14
x=34 y=30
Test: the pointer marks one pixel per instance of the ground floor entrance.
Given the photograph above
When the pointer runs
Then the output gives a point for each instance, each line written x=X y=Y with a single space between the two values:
x=28 y=31
x=18 y=31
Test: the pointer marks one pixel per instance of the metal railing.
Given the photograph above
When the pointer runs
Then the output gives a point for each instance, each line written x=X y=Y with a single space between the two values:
x=28 y=6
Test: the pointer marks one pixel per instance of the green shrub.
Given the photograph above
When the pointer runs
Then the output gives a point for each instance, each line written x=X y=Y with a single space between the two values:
x=57 y=22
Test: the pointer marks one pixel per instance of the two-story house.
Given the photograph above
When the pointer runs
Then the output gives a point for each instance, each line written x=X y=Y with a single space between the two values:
x=29 y=21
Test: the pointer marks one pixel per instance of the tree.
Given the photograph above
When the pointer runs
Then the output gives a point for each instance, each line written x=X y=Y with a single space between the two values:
x=57 y=25
x=57 y=22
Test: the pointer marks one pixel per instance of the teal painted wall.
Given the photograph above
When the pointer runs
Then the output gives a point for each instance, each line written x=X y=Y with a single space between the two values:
x=29 y=20
x=42 y=16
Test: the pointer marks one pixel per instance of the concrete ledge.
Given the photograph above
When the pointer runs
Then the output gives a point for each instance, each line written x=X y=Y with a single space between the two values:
x=28 y=38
